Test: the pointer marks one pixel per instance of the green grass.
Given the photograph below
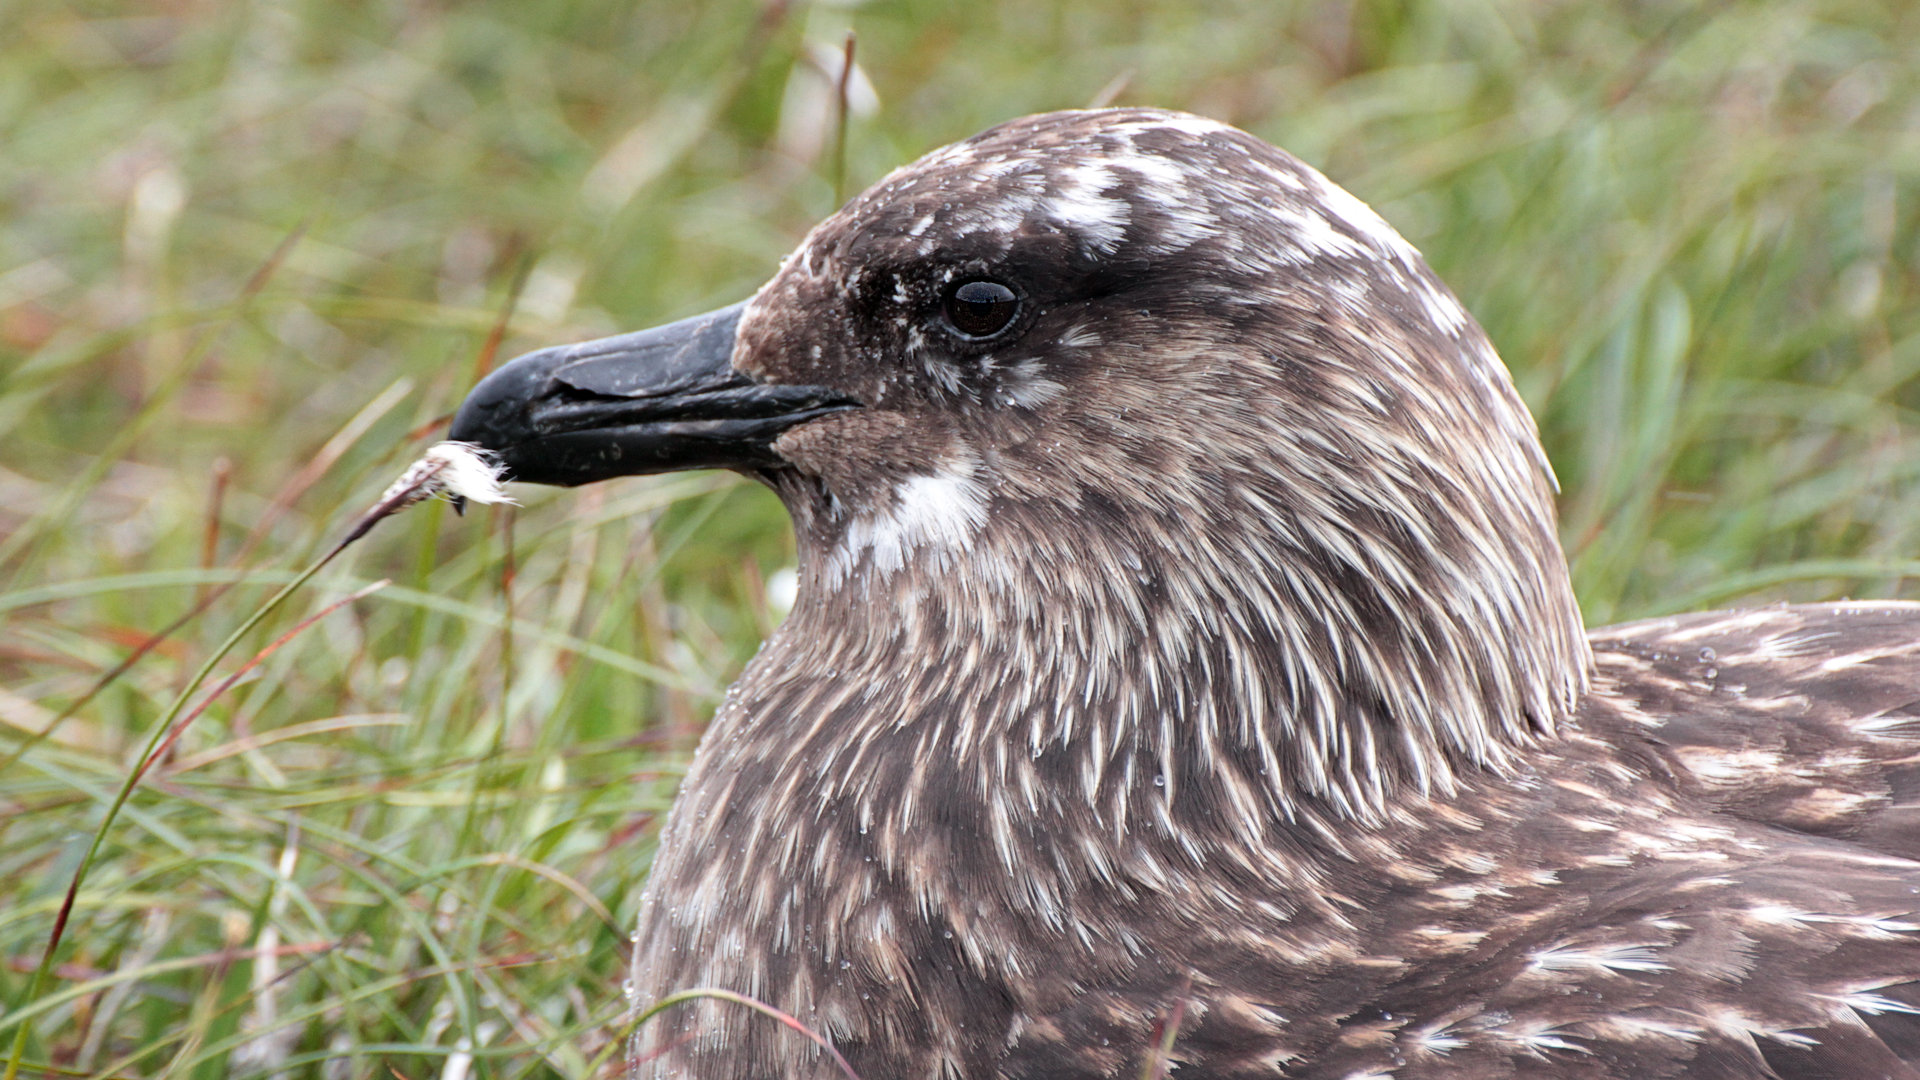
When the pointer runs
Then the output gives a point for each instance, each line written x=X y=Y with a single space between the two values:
x=1691 y=229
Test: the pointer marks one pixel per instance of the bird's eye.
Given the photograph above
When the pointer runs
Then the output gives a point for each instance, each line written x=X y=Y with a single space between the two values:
x=980 y=309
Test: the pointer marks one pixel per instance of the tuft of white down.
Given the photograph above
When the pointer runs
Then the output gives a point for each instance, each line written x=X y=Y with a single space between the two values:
x=462 y=470
x=467 y=472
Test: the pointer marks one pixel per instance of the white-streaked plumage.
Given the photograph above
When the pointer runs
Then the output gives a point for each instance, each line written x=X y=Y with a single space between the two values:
x=1199 y=652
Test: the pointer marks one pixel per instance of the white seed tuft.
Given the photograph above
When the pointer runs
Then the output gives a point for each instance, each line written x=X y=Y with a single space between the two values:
x=459 y=469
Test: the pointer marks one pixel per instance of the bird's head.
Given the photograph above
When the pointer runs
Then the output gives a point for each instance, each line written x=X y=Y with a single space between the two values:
x=1139 y=360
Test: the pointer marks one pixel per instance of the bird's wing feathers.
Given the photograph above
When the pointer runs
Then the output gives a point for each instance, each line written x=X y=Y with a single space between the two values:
x=1764 y=918
x=1712 y=876
x=1682 y=946
x=1802 y=723
x=1805 y=718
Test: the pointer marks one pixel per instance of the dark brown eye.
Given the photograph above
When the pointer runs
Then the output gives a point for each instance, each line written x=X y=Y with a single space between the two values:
x=981 y=309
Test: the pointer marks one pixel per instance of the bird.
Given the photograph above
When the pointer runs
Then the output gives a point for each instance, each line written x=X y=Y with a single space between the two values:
x=1185 y=678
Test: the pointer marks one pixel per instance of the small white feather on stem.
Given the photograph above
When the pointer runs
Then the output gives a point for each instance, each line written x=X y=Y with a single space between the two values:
x=460 y=471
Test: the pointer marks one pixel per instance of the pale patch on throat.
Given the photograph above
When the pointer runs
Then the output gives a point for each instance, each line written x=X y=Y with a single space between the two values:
x=930 y=519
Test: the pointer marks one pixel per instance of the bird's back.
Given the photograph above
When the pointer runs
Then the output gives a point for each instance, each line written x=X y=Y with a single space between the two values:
x=1722 y=884
x=1802 y=718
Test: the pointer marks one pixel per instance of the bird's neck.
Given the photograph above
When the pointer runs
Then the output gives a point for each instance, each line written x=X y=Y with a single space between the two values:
x=1146 y=666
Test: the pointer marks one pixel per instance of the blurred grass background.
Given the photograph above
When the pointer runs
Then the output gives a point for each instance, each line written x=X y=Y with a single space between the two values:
x=411 y=842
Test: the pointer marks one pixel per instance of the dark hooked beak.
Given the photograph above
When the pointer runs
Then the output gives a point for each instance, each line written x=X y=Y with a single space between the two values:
x=655 y=401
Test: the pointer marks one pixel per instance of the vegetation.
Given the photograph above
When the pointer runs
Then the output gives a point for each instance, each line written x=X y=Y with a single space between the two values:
x=252 y=252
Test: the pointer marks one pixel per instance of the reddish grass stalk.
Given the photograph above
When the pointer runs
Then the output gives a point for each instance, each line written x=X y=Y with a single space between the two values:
x=1160 y=1058
x=152 y=642
x=180 y=726
x=490 y=349
x=216 y=504
x=841 y=106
